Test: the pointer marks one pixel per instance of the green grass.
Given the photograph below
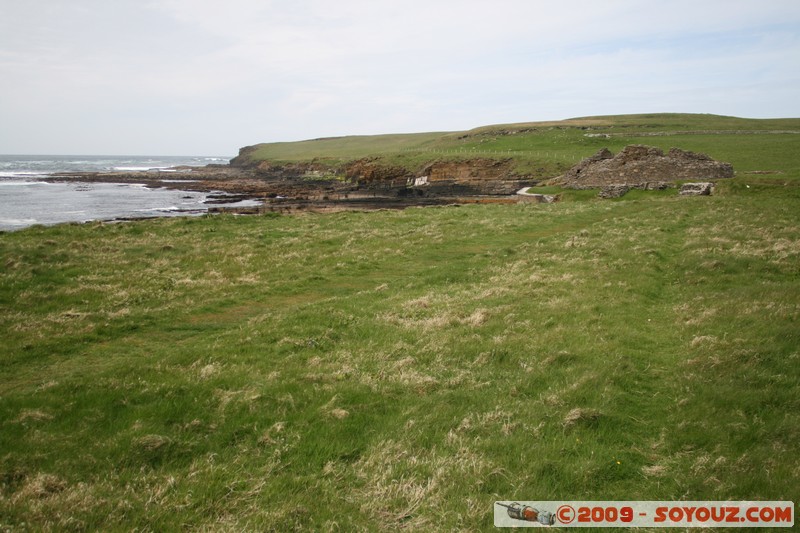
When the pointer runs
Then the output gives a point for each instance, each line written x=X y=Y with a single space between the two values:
x=342 y=148
x=545 y=149
x=393 y=370
x=405 y=369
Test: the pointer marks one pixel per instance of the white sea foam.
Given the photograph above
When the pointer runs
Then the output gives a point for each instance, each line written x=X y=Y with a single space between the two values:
x=26 y=200
x=22 y=174
x=32 y=165
x=22 y=183
x=169 y=209
x=138 y=169
x=21 y=222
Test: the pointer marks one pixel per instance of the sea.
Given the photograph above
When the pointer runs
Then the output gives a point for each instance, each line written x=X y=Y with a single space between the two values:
x=26 y=199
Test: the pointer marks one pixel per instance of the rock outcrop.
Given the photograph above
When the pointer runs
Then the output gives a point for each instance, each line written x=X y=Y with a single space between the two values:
x=538 y=198
x=245 y=157
x=613 y=191
x=639 y=165
x=441 y=177
x=483 y=176
x=371 y=169
x=696 y=189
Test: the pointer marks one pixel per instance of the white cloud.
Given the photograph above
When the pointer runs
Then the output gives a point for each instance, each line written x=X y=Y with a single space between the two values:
x=253 y=70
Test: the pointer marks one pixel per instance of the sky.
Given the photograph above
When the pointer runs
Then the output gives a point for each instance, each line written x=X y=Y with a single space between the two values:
x=206 y=77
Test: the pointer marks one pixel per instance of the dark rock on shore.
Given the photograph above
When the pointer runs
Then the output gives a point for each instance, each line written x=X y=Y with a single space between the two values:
x=362 y=184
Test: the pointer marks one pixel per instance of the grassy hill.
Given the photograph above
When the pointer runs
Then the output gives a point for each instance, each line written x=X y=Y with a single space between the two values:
x=548 y=148
x=402 y=370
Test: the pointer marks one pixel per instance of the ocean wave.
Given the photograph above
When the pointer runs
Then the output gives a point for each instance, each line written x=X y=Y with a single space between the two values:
x=23 y=165
x=22 y=173
x=25 y=202
x=17 y=222
x=138 y=169
x=9 y=182
x=169 y=209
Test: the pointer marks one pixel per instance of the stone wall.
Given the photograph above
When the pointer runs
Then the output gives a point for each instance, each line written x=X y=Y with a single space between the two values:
x=639 y=165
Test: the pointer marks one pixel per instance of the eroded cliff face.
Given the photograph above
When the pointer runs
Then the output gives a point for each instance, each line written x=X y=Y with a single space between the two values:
x=372 y=170
x=305 y=170
x=639 y=165
x=481 y=176
x=244 y=159
x=468 y=171
x=473 y=176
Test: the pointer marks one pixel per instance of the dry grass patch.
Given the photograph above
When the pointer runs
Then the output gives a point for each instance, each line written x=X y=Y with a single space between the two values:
x=39 y=487
x=33 y=415
x=152 y=443
x=654 y=470
x=415 y=484
x=581 y=416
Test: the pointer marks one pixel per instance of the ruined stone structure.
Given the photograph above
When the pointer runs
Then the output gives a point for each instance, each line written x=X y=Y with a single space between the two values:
x=642 y=166
x=537 y=198
x=696 y=189
x=617 y=190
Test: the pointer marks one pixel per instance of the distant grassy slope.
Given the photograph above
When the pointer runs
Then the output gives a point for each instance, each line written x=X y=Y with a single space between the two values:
x=546 y=149
x=665 y=121
x=350 y=147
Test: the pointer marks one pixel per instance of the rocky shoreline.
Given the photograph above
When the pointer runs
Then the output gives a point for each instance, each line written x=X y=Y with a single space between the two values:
x=369 y=183
x=294 y=188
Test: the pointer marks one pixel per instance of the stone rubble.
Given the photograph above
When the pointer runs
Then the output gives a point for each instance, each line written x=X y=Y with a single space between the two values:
x=643 y=167
x=696 y=189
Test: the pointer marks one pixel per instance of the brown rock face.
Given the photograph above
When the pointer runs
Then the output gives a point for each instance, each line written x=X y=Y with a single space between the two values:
x=639 y=165
x=474 y=176
x=369 y=170
x=478 y=176
x=468 y=171
x=288 y=170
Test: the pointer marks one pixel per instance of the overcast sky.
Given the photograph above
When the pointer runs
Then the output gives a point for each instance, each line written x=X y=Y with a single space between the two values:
x=205 y=77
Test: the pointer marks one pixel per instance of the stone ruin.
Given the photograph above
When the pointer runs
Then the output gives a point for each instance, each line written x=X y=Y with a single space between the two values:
x=643 y=167
x=696 y=189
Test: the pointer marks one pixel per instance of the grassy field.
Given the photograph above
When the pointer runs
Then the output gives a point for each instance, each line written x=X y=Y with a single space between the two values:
x=545 y=149
x=402 y=370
